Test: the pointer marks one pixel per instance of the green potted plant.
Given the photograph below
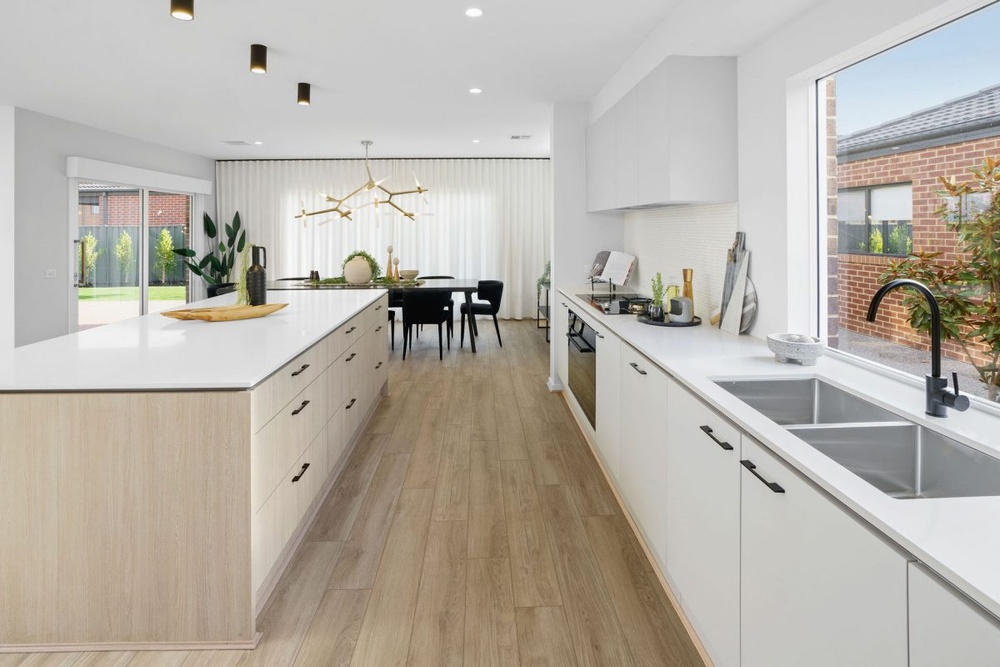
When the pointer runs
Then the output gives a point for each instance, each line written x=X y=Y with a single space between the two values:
x=656 y=307
x=217 y=265
x=967 y=288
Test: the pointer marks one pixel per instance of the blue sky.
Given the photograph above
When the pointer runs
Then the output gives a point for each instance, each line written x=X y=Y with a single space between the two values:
x=954 y=60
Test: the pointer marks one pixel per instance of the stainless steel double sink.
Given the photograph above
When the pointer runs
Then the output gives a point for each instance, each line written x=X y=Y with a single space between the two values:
x=897 y=456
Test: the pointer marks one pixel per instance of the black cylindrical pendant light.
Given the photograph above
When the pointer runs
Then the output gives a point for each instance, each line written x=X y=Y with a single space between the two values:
x=182 y=9
x=304 y=90
x=258 y=58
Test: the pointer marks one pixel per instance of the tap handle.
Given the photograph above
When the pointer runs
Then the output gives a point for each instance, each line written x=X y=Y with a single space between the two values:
x=956 y=401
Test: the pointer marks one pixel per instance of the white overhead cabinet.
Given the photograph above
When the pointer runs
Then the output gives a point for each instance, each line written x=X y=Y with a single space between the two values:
x=818 y=587
x=703 y=521
x=946 y=628
x=670 y=140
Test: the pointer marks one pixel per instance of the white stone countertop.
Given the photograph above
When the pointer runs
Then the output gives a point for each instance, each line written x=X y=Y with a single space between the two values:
x=959 y=538
x=158 y=353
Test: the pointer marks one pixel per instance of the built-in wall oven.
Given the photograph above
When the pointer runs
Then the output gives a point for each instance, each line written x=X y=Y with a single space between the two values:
x=582 y=341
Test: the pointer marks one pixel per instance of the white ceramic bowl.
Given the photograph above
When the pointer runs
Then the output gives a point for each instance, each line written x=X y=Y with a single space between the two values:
x=408 y=274
x=795 y=348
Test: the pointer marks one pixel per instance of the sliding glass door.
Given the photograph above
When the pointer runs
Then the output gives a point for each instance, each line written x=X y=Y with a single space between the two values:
x=125 y=261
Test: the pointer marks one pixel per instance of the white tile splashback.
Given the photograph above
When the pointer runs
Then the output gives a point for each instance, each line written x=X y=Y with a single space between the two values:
x=682 y=237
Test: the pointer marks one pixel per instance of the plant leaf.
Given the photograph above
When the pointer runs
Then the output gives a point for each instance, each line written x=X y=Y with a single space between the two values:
x=210 y=229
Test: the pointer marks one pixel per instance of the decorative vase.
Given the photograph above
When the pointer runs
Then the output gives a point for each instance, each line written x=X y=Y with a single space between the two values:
x=656 y=312
x=357 y=271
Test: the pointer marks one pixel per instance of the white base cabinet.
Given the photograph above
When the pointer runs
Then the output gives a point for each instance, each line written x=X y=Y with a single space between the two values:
x=644 y=446
x=560 y=323
x=609 y=413
x=703 y=521
x=946 y=628
x=817 y=586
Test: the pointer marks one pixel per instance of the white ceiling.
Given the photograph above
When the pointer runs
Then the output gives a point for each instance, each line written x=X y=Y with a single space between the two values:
x=395 y=72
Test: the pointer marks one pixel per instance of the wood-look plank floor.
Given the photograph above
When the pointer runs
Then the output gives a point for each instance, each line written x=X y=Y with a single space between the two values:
x=471 y=526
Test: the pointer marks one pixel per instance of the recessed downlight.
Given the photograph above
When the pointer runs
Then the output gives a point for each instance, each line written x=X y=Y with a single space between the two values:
x=475 y=141
x=475 y=91
x=182 y=9
x=473 y=12
x=258 y=143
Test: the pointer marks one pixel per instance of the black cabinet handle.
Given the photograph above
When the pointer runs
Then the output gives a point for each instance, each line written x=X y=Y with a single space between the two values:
x=774 y=486
x=351 y=404
x=599 y=335
x=353 y=354
x=635 y=367
x=300 y=408
x=305 y=466
x=721 y=443
x=378 y=365
x=351 y=330
x=298 y=372
x=378 y=307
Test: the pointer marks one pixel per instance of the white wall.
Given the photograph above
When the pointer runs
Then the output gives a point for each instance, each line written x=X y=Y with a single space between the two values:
x=7 y=300
x=41 y=199
x=577 y=236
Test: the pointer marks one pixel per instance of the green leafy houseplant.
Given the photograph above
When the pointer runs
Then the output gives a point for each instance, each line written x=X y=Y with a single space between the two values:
x=657 y=288
x=216 y=266
x=967 y=288
x=372 y=264
x=544 y=280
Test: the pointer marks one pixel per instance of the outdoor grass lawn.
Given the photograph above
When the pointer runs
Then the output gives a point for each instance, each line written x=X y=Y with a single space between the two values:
x=158 y=293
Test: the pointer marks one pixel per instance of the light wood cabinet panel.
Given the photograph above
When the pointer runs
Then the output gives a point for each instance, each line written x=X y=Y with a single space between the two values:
x=609 y=374
x=818 y=587
x=644 y=446
x=140 y=500
x=945 y=627
x=703 y=521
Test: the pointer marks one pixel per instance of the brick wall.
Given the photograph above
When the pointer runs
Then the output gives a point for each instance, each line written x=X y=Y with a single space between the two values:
x=123 y=208
x=857 y=275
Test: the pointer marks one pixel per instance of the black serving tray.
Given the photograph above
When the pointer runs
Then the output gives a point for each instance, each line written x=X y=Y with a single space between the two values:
x=645 y=320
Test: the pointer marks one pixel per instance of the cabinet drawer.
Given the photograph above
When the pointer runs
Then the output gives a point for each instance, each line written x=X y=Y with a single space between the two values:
x=352 y=331
x=278 y=390
x=275 y=522
x=353 y=365
x=375 y=313
x=276 y=447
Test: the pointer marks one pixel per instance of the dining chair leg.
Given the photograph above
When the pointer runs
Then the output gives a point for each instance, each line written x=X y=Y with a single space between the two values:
x=406 y=330
x=440 y=342
x=497 y=325
x=392 y=327
x=461 y=329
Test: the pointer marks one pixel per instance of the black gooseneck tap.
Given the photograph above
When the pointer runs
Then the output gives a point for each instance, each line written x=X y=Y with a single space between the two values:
x=939 y=398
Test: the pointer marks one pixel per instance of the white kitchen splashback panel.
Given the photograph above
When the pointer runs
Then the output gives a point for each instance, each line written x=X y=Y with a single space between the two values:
x=683 y=237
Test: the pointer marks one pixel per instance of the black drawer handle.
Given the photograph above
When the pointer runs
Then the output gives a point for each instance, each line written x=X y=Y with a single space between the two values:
x=300 y=408
x=351 y=404
x=636 y=367
x=721 y=443
x=378 y=365
x=305 y=466
x=299 y=372
x=378 y=328
x=774 y=486
x=378 y=307
x=351 y=330
x=353 y=354
x=599 y=335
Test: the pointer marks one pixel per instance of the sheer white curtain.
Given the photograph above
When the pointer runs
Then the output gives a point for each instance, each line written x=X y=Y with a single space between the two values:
x=490 y=218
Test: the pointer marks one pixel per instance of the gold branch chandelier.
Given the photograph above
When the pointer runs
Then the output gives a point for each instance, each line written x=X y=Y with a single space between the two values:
x=344 y=210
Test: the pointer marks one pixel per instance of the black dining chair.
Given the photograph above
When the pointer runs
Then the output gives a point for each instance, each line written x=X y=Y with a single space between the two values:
x=420 y=307
x=451 y=303
x=492 y=291
x=395 y=301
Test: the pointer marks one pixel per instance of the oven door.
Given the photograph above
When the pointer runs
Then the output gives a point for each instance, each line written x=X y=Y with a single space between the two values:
x=582 y=342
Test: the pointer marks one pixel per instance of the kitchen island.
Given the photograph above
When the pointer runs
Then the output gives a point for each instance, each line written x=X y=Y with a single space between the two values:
x=156 y=475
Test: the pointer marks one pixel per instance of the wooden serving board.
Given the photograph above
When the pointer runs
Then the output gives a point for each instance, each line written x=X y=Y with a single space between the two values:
x=224 y=313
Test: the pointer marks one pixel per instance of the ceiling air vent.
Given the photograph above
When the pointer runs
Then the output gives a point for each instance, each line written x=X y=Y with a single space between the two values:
x=519 y=137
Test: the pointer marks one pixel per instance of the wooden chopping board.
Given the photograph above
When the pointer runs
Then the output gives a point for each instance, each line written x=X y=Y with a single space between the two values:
x=223 y=313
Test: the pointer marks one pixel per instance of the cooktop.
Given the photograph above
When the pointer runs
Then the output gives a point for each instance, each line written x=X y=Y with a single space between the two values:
x=616 y=304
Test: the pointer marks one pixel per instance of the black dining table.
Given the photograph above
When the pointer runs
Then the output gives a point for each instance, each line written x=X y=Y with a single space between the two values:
x=467 y=286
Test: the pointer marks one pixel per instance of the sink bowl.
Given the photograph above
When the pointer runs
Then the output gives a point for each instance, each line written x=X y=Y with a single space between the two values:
x=904 y=460
x=788 y=401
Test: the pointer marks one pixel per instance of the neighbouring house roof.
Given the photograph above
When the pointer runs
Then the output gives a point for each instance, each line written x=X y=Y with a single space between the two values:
x=970 y=117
